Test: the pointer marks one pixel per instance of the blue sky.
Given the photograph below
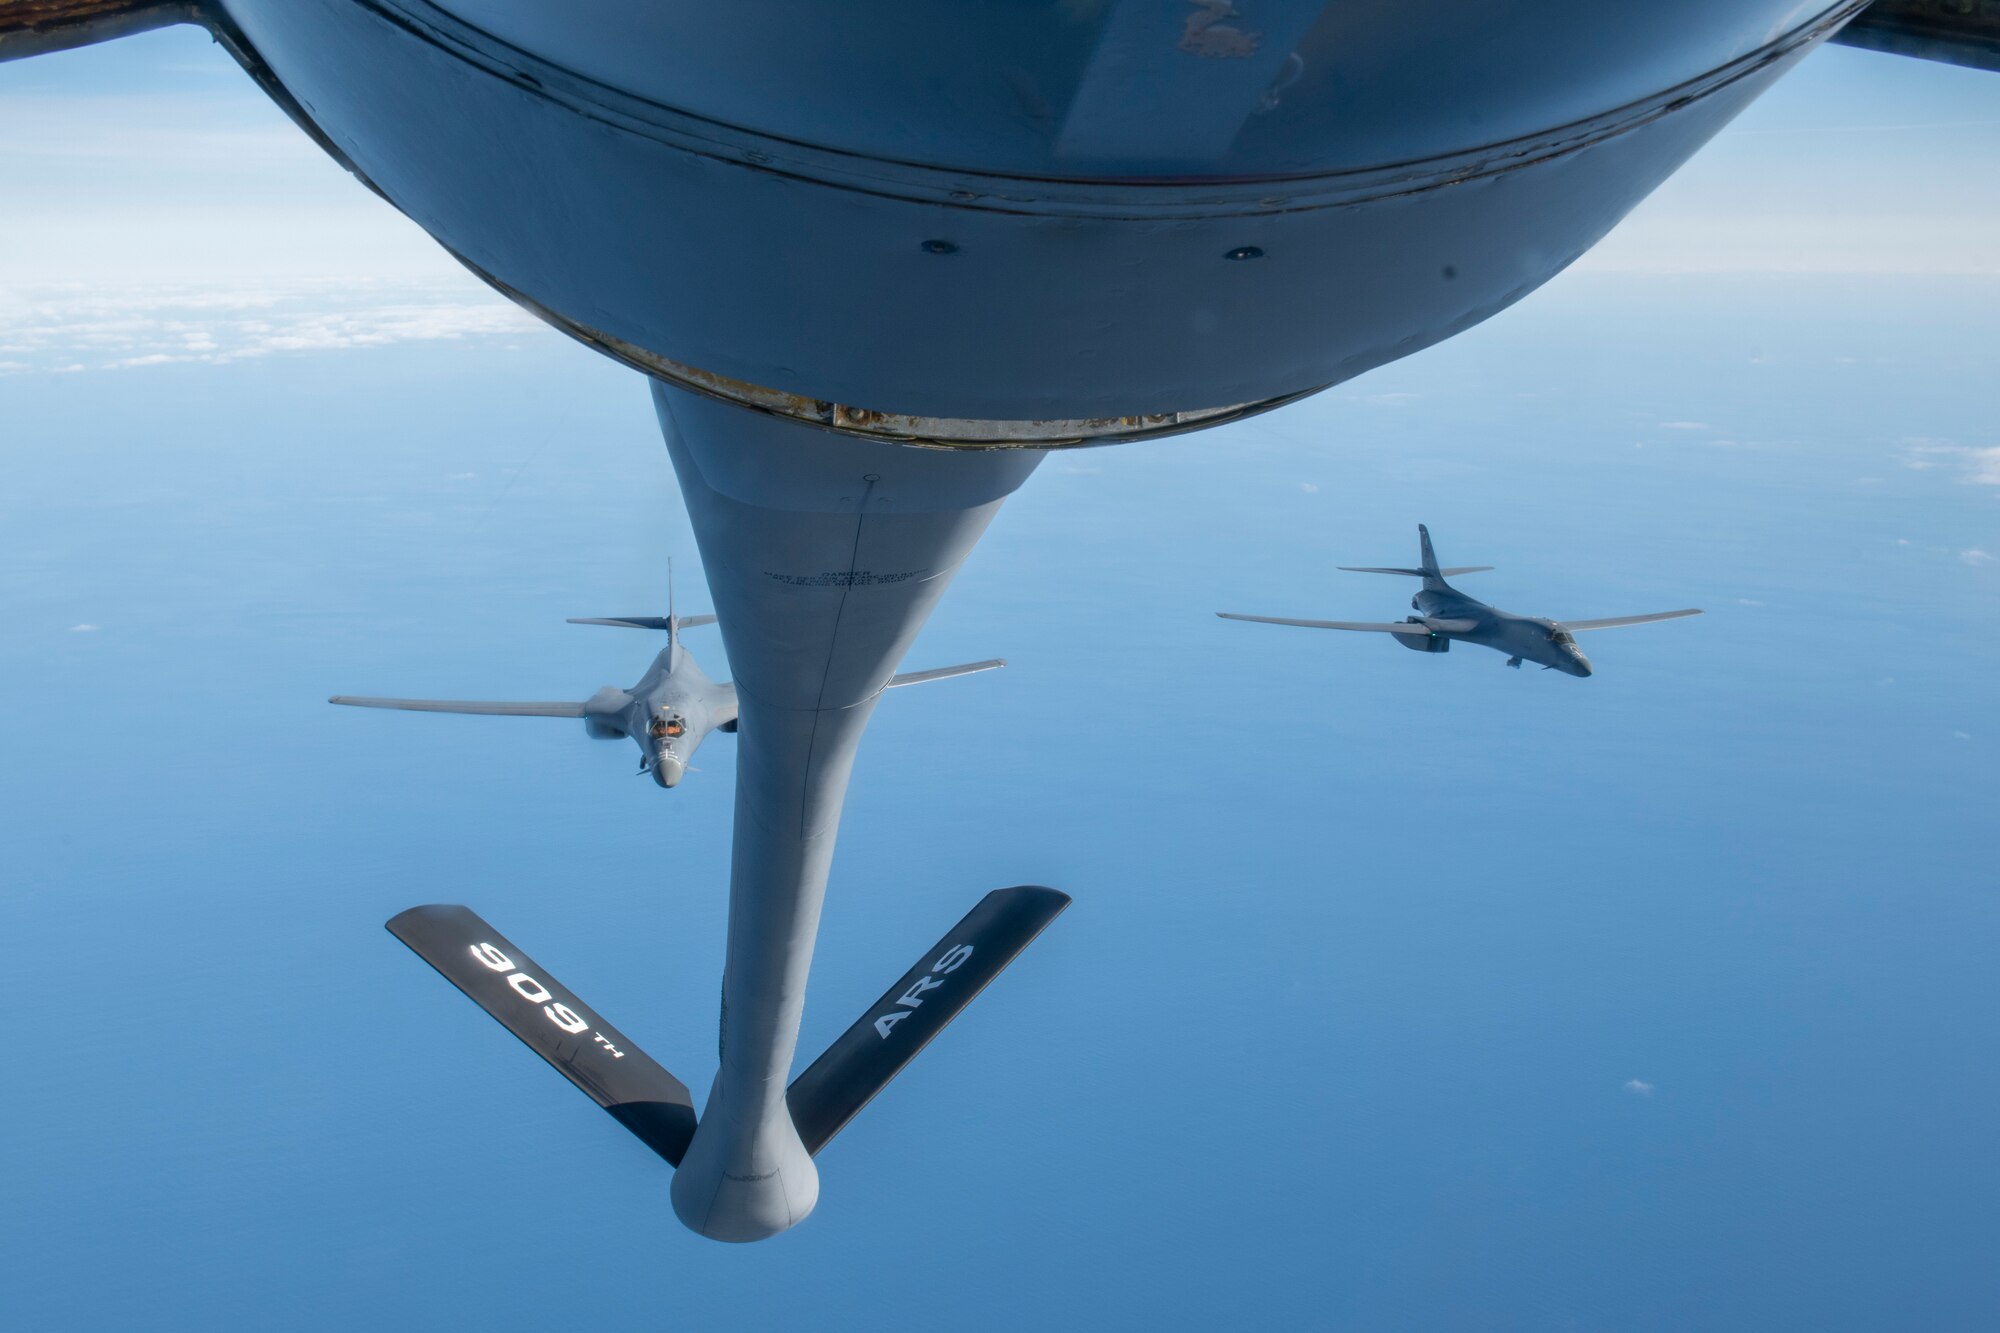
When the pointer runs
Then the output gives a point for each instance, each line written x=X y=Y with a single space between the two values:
x=1400 y=991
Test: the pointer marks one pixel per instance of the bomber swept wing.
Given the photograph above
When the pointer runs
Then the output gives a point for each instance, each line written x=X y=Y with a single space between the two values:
x=1417 y=628
x=463 y=706
x=945 y=673
x=551 y=708
x=643 y=622
x=1613 y=622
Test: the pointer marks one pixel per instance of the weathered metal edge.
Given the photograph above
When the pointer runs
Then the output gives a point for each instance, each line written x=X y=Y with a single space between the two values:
x=43 y=27
x=891 y=427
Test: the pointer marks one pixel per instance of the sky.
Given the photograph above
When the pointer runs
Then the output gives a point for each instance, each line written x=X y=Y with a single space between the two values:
x=1400 y=991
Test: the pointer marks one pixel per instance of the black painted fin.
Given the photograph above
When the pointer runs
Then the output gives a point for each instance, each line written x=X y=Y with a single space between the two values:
x=547 y=1016
x=865 y=1057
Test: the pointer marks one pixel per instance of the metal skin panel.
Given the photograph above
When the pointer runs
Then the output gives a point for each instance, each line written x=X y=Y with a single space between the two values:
x=946 y=292
x=824 y=556
x=1130 y=88
x=911 y=1013
x=548 y=1018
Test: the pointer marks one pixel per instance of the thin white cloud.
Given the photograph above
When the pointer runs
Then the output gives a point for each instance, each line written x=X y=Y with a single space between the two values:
x=1666 y=240
x=67 y=328
x=1308 y=488
x=1748 y=601
x=130 y=127
x=1926 y=126
x=1975 y=556
x=1685 y=425
x=1638 y=1087
x=1977 y=465
x=83 y=629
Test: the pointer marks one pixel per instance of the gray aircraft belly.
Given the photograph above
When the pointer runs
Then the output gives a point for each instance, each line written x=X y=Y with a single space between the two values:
x=1269 y=255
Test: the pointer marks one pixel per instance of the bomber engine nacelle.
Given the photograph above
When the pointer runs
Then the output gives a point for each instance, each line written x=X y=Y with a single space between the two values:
x=600 y=714
x=1431 y=643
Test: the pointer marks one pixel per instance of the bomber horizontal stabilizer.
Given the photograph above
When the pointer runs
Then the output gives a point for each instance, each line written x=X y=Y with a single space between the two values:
x=1421 y=629
x=557 y=1026
x=917 y=1008
x=1417 y=573
x=1614 y=622
x=463 y=706
x=640 y=622
x=944 y=673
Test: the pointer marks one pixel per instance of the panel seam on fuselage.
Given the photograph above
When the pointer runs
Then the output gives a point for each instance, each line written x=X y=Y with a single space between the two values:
x=1118 y=198
x=833 y=647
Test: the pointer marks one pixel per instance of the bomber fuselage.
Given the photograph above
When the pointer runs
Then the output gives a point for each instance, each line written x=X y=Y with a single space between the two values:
x=1522 y=638
x=668 y=714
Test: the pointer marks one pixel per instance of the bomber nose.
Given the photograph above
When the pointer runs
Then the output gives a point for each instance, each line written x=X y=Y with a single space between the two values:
x=667 y=769
x=1579 y=665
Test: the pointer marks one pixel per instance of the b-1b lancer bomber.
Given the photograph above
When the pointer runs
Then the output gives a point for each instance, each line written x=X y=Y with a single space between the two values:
x=668 y=714
x=1445 y=615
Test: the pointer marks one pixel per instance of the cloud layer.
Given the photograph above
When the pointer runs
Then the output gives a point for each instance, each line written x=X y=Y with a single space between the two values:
x=1977 y=465
x=70 y=329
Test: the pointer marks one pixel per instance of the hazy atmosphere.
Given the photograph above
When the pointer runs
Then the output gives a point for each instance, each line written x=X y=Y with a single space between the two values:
x=1400 y=991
